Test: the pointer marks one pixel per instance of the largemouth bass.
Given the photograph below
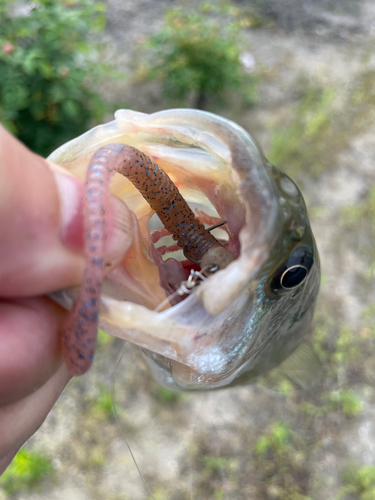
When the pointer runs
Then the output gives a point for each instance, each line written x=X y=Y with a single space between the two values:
x=242 y=320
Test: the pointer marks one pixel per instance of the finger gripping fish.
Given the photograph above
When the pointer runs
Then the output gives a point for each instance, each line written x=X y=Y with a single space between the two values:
x=80 y=331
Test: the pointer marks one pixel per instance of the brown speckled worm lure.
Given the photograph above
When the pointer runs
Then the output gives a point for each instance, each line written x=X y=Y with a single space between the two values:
x=199 y=245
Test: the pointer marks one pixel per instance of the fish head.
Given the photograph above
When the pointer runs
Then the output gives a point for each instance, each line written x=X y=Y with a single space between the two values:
x=241 y=321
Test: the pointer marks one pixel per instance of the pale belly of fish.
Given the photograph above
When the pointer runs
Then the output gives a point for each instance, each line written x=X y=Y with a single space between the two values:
x=241 y=321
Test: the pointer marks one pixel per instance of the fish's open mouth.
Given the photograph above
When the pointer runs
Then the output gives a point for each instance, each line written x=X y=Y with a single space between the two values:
x=157 y=266
x=220 y=173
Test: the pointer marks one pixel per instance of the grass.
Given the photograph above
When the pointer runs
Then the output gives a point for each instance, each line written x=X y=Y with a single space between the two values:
x=361 y=218
x=275 y=440
x=360 y=483
x=281 y=458
x=321 y=124
x=165 y=396
x=352 y=214
x=342 y=352
x=347 y=348
x=303 y=142
x=214 y=469
x=337 y=345
x=342 y=400
x=369 y=321
x=101 y=407
x=325 y=327
x=26 y=472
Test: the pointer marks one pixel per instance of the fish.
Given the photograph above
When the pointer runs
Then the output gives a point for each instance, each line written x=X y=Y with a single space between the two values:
x=198 y=332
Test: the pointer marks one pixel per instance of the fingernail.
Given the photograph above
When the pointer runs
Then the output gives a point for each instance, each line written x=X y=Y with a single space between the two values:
x=118 y=222
x=71 y=191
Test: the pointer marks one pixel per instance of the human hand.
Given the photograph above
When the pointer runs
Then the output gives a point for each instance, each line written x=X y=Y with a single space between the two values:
x=41 y=250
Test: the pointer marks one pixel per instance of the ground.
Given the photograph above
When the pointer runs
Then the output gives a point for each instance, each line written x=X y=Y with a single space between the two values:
x=314 y=118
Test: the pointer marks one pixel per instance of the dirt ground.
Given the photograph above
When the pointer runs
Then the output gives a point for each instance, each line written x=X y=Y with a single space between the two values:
x=314 y=118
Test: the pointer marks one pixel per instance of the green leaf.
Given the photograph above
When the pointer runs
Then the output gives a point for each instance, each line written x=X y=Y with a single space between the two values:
x=70 y=108
x=46 y=69
x=27 y=469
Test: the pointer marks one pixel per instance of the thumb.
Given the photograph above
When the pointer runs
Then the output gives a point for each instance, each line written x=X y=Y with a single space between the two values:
x=41 y=221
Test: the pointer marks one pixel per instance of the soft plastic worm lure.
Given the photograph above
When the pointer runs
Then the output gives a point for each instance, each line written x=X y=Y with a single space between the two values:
x=199 y=245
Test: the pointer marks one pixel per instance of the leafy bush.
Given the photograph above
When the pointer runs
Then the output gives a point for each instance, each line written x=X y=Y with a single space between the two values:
x=196 y=54
x=27 y=470
x=47 y=70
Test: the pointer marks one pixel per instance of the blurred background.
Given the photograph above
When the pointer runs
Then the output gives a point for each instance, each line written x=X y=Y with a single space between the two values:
x=299 y=75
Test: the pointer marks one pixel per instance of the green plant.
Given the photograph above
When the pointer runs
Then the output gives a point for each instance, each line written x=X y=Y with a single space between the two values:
x=301 y=143
x=337 y=345
x=165 y=396
x=360 y=483
x=26 y=471
x=281 y=461
x=216 y=464
x=324 y=327
x=195 y=54
x=342 y=400
x=104 y=338
x=275 y=440
x=102 y=406
x=362 y=215
x=369 y=321
x=352 y=214
x=48 y=68
x=347 y=347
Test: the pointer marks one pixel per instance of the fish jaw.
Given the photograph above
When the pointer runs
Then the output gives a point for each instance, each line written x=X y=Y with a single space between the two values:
x=216 y=333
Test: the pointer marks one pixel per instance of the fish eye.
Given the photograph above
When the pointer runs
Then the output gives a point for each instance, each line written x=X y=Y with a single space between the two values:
x=293 y=276
x=293 y=272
